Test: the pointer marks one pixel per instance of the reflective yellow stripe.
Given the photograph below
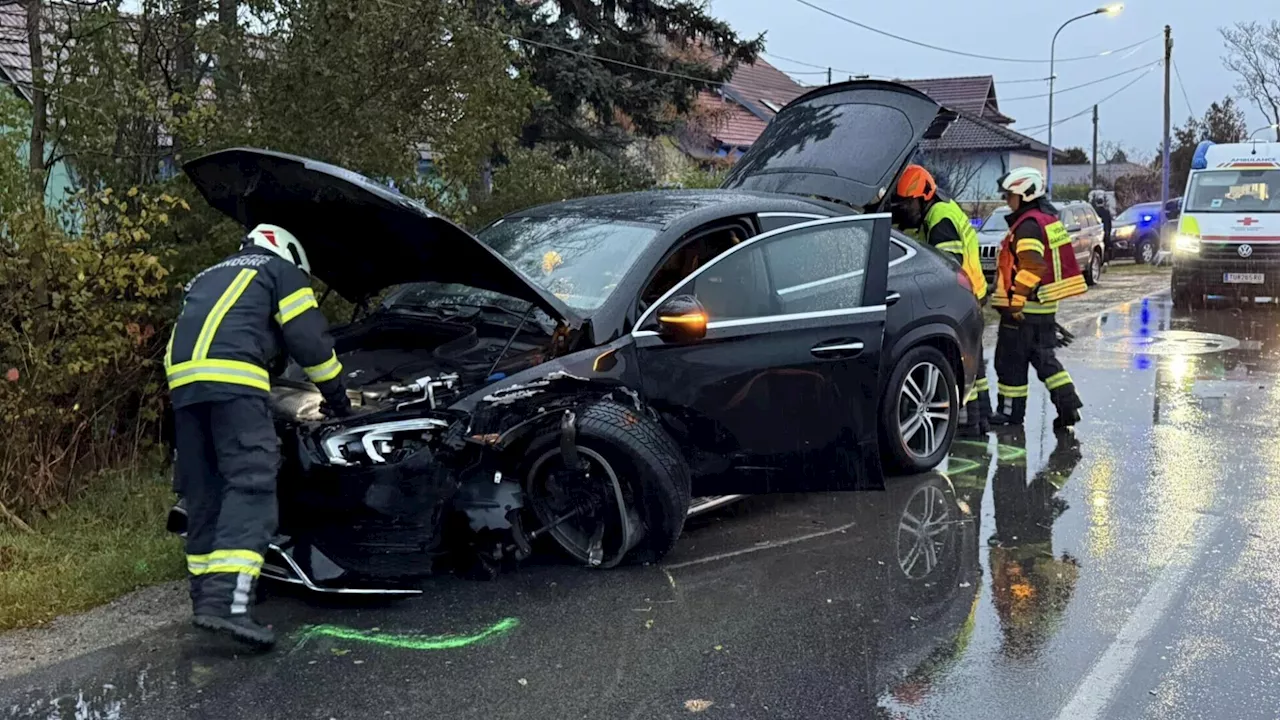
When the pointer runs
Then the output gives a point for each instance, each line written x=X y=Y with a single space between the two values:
x=1064 y=288
x=952 y=246
x=245 y=562
x=1047 y=308
x=982 y=384
x=220 y=308
x=1026 y=277
x=325 y=371
x=296 y=304
x=1013 y=391
x=1057 y=380
x=1030 y=245
x=224 y=371
x=973 y=395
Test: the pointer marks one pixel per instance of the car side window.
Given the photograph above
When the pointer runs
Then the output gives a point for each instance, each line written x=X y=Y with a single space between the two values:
x=810 y=269
x=1070 y=219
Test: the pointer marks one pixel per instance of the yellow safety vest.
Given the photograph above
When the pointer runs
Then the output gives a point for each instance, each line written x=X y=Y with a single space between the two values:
x=966 y=247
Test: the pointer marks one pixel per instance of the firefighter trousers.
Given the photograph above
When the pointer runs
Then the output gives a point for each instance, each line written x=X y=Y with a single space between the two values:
x=228 y=455
x=1030 y=343
x=977 y=405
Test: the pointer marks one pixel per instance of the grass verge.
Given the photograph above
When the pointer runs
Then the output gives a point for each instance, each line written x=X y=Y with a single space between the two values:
x=107 y=543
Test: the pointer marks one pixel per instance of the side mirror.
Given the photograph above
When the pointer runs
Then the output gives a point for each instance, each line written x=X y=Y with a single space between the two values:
x=682 y=319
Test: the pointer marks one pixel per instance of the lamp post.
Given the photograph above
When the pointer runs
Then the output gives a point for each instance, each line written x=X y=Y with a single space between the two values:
x=1053 y=46
x=1264 y=129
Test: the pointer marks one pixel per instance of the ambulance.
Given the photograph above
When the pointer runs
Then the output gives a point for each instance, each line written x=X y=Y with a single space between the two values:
x=1228 y=236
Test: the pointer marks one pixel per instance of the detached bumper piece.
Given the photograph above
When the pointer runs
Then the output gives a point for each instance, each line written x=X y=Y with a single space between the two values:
x=307 y=567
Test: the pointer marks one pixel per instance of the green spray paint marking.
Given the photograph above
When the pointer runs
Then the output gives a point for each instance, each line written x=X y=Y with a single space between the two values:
x=409 y=641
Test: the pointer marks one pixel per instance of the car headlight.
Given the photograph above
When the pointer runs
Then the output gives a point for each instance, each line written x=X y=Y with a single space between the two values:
x=1186 y=244
x=380 y=442
x=1125 y=231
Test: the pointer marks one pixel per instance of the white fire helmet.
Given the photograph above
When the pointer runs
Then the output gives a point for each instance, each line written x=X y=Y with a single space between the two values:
x=281 y=242
x=1025 y=182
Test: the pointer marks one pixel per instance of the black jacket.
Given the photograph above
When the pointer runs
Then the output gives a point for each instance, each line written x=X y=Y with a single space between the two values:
x=237 y=318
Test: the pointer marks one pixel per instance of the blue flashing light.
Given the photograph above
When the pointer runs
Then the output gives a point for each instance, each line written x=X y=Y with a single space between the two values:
x=1147 y=218
x=1199 y=161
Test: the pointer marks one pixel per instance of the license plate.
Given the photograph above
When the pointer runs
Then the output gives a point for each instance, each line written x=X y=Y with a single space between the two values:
x=1247 y=278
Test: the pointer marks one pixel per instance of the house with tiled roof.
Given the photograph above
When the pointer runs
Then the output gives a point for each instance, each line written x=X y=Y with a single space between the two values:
x=730 y=118
x=980 y=145
x=15 y=77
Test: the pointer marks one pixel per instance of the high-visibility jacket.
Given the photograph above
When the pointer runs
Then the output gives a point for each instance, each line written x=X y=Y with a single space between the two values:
x=966 y=247
x=1060 y=278
x=236 y=318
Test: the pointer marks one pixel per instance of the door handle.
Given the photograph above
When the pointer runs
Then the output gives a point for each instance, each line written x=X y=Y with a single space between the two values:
x=893 y=297
x=834 y=349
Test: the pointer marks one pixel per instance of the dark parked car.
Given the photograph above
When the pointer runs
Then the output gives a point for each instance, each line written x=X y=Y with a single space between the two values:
x=1079 y=218
x=1136 y=232
x=583 y=370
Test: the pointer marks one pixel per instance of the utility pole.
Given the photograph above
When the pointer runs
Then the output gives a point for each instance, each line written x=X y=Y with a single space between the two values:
x=1164 y=181
x=1094 y=184
x=828 y=76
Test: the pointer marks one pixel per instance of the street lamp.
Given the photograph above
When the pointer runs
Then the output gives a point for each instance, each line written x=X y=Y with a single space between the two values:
x=1264 y=129
x=1108 y=10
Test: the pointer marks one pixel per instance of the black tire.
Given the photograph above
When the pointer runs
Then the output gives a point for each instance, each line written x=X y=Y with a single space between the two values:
x=647 y=462
x=898 y=456
x=1145 y=251
x=1093 y=271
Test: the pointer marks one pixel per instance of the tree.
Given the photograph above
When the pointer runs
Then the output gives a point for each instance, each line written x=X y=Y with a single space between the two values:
x=659 y=55
x=1253 y=54
x=1223 y=122
x=1075 y=156
x=1118 y=156
x=954 y=171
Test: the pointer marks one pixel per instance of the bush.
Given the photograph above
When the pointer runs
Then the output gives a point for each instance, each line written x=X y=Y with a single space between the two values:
x=83 y=319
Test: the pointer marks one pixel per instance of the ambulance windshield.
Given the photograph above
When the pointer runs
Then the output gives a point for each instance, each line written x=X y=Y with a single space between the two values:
x=1234 y=191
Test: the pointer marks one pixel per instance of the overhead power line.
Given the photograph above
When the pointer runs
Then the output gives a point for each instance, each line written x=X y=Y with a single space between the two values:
x=1037 y=129
x=962 y=53
x=1186 y=98
x=1091 y=83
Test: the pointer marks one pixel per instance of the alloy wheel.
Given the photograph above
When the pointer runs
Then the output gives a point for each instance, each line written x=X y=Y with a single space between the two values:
x=1148 y=253
x=1095 y=266
x=924 y=410
x=922 y=532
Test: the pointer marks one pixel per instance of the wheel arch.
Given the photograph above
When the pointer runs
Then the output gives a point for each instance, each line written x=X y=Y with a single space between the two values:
x=937 y=335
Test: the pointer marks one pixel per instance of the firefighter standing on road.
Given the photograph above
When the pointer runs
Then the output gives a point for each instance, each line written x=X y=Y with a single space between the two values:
x=918 y=204
x=1035 y=269
x=236 y=318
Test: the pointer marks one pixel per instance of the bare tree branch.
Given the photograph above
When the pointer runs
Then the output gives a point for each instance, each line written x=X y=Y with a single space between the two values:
x=1253 y=54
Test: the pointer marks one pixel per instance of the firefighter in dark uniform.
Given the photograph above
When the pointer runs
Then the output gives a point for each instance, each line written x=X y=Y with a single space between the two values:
x=1036 y=268
x=919 y=205
x=237 y=318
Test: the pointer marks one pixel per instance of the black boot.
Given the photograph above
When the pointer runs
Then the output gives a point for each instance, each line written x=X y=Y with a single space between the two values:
x=1001 y=420
x=240 y=627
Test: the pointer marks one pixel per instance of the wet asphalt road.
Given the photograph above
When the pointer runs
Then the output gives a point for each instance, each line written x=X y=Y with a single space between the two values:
x=1128 y=571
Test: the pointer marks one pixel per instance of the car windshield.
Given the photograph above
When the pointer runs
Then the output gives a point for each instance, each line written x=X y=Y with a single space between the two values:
x=1138 y=213
x=1234 y=191
x=578 y=259
x=997 y=221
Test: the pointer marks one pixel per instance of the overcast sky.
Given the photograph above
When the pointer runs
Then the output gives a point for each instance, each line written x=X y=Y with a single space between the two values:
x=1020 y=29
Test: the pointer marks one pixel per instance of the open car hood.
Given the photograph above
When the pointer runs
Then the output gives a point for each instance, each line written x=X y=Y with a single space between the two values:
x=360 y=236
x=845 y=142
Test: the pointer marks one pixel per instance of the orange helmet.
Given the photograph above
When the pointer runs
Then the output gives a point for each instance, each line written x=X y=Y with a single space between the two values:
x=916 y=182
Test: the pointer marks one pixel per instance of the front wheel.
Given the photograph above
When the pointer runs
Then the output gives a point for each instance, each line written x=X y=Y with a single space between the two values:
x=1093 y=272
x=919 y=412
x=1145 y=252
x=631 y=502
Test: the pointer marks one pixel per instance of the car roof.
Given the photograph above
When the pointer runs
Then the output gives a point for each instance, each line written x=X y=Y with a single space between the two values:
x=680 y=208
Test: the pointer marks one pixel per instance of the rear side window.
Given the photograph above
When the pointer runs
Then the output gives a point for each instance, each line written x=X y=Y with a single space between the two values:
x=809 y=269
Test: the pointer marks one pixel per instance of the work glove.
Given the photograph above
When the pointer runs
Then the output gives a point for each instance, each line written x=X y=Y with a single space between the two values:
x=337 y=405
x=1063 y=337
x=1016 y=304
